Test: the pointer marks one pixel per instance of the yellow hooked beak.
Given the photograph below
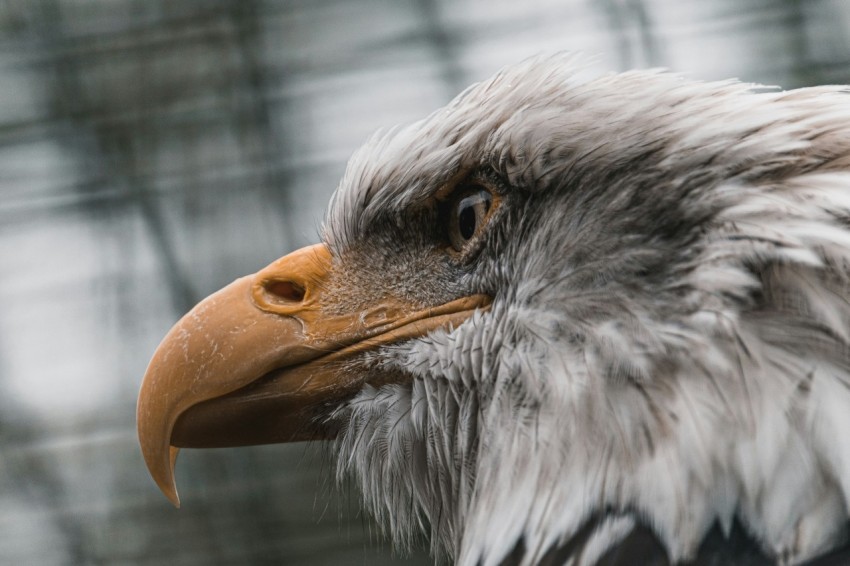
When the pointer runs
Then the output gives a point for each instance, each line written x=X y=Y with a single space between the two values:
x=259 y=361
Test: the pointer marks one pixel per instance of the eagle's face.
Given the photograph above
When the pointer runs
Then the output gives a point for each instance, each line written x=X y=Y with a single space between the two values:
x=555 y=304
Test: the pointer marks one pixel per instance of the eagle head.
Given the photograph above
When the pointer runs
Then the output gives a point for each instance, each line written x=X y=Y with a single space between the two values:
x=557 y=312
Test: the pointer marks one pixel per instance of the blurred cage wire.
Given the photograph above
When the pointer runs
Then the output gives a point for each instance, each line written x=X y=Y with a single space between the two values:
x=153 y=150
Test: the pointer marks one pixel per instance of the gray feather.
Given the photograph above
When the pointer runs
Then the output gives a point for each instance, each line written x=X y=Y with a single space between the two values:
x=669 y=336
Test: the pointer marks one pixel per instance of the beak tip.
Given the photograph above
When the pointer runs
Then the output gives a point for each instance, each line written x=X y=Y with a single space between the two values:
x=169 y=485
x=173 y=497
x=162 y=473
x=169 y=490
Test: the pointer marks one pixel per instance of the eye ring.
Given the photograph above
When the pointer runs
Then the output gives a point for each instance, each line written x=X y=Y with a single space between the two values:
x=468 y=211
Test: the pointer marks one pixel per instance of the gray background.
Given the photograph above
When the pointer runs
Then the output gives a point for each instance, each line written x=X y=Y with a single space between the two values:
x=152 y=151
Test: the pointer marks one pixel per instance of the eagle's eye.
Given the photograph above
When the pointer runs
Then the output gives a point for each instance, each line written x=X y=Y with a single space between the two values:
x=468 y=212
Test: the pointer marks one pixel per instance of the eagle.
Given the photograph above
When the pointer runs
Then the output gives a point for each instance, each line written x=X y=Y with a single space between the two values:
x=562 y=320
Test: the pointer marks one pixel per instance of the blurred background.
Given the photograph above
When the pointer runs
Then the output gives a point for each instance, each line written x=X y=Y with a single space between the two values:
x=152 y=151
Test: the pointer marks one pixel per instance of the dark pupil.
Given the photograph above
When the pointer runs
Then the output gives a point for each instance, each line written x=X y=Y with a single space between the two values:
x=468 y=212
x=466 y=222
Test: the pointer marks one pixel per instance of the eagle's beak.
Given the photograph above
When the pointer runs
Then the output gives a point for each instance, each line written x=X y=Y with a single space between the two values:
x=256 y=362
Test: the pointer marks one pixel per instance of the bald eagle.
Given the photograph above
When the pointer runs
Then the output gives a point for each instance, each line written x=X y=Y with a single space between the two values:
x=559 y=321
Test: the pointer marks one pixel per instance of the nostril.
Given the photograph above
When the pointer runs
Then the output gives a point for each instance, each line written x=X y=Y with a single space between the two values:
x=286 y=290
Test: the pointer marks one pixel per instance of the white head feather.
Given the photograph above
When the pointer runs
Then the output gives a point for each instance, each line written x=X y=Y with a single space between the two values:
x=669 y=338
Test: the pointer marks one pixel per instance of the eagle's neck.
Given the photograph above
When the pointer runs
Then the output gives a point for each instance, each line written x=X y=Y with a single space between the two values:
x=413 y=451
x=696 y=434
